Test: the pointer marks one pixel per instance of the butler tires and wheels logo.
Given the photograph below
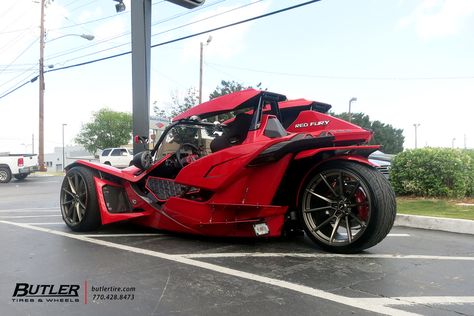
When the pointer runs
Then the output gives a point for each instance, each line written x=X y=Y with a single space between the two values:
x=46 y=293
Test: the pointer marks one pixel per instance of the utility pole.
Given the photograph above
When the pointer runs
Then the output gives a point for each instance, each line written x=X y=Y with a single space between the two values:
x=416 y=125
x=200 y=66
x=41 y=93
x=452 y=142
x=32 y=144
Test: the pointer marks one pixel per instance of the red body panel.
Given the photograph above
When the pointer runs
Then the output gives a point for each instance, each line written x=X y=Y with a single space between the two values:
x=224 y=103
x=315 y=123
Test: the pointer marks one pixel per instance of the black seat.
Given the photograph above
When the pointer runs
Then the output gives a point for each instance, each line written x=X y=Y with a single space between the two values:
x=234 y=133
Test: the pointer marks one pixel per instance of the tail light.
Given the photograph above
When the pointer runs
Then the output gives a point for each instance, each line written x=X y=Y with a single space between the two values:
x=20 y=162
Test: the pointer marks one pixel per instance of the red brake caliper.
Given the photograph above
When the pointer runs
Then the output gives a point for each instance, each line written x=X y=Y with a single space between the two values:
x=362 y=210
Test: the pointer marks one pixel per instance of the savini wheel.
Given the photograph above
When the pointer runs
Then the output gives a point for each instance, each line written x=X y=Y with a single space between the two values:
x=347 y=207
x=78 y=198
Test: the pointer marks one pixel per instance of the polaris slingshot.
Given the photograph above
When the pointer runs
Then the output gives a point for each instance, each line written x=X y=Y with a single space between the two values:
x=248 y=176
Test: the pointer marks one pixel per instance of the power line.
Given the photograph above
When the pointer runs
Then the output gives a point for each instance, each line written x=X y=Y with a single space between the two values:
x=70 y=51
x=19 y=55
x=339 y=77
x=163 y=32
x=170 y=41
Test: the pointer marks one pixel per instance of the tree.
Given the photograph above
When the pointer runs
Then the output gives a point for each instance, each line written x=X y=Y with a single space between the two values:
x=386 y=135
x=227 y=87
x=178 y=105
x=107 y=129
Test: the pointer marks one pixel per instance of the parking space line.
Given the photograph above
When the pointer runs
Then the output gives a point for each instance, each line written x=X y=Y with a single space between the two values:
x=436 y=300
x=50 y=223
x=398 y=235
x=33 y=210
x=372 y=306
x=122 y=235
x=320 y=255
x=28 y=216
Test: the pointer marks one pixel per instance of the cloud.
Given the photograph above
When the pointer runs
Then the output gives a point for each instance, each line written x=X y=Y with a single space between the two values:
x=228 y=42
x=439 y=18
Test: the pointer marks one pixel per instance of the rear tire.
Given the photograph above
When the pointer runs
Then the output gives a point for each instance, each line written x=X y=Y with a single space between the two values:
x=5 y=175
x=21 y=176
x=346 y=207
x=78 y=198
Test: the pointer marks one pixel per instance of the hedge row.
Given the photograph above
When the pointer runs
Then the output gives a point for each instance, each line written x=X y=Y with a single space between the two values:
x=434 y=172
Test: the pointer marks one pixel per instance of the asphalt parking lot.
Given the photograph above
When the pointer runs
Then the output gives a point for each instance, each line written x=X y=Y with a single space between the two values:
x=124 y=270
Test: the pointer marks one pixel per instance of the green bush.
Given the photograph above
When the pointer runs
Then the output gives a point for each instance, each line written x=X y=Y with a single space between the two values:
x=470 y=192
x=433 y=172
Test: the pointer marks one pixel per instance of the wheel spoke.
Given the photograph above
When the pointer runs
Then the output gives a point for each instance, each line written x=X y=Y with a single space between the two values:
x=81 y=204
x=68 y=192
x=323 y=223
x=318 y=209
x=328 y=185
x=74 y=213
x=69 y=211
x=76 y=182
x=348 y=229
x=320 y=196
x=66 y=202
x=336 y=226
x=361 y=223
x=71 y=186
x=353 y=191
x=78 y=211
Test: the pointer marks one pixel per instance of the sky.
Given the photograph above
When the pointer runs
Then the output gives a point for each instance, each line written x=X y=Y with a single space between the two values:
x=406 y=61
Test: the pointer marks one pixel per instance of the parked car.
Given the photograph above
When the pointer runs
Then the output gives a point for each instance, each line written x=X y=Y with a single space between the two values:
x=18 y=166
x=383 y=162
x=116 y=157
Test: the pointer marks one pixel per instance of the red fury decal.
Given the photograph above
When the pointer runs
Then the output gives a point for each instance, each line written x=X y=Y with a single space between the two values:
x=316 y=123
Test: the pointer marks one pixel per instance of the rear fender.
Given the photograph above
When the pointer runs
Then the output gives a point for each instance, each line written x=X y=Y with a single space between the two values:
x=355 y=156
x=363 y=151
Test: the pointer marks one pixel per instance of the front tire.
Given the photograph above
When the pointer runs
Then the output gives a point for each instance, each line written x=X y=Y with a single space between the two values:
x=346 y=207
x=5 y=175
x=78 y=198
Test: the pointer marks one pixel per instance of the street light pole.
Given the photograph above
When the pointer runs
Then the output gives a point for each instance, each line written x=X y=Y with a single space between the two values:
x=63 y=145
x=350 y=102
x=200 y=66
x=416 y=125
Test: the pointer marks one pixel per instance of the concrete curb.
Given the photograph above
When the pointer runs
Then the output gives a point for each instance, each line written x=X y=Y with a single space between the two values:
x=462 y=226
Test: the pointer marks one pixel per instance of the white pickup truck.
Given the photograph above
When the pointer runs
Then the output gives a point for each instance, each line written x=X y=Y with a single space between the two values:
x=17 y=165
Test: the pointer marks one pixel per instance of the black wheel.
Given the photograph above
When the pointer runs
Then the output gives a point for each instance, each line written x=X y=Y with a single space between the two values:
x=21 y=176
x=347 y=207
x=78 y=198
x=5 y=175
x=107 y=163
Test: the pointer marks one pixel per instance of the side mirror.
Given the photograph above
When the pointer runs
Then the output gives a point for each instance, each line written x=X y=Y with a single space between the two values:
x=143 y=160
